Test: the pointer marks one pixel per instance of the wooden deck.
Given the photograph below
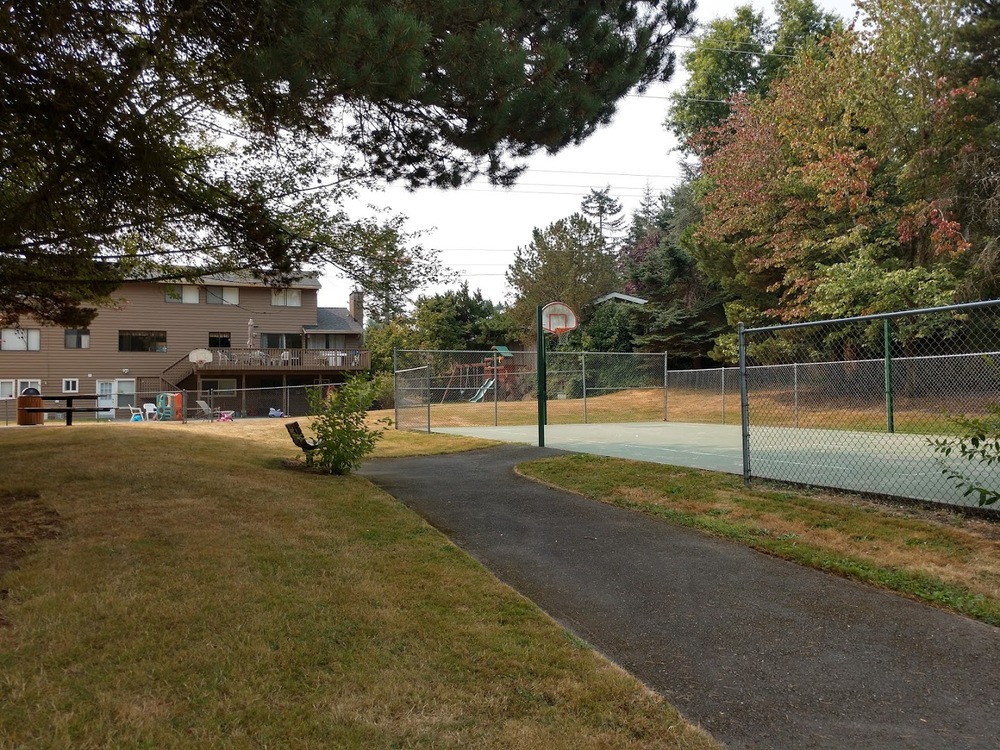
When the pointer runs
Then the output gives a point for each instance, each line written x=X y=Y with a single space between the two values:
x=257 y=360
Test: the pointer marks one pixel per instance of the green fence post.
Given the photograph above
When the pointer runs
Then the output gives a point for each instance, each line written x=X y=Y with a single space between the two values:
x=744 y=403
x=542 y=395
x=886 y=330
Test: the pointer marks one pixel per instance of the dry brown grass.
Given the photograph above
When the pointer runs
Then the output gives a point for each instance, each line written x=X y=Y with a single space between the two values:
x=202 y=595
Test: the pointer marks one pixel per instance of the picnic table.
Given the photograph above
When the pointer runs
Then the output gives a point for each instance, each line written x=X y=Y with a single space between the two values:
x=69 y=410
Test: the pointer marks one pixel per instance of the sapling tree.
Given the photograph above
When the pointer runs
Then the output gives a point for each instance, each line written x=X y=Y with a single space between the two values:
x=340 y=421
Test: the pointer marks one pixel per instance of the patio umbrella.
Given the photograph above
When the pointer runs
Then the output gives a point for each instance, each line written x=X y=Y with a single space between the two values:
x=250 y=334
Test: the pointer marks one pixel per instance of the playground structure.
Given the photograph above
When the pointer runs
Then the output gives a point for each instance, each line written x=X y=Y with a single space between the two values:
x=497 y=370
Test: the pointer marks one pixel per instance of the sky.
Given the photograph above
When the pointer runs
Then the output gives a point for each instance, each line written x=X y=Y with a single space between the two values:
x=478 y=228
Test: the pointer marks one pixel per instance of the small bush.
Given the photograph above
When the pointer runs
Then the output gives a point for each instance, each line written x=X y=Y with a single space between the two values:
x=384 y=386
x=339 y=419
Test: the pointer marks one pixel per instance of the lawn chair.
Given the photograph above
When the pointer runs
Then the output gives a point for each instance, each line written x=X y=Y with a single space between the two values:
x=207 y=412
x=150 y=412
x=135 y=412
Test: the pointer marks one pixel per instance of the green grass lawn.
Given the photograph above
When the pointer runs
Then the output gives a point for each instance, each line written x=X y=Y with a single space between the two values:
x=180 y=586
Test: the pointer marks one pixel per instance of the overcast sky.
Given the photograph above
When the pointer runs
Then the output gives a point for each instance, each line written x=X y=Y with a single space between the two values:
x=478 y=228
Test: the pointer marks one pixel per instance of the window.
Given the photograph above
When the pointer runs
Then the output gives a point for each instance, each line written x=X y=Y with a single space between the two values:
x=20 y=339
x=222 y=295
x=7 y=389
x=219 y=386
x=219 y=339
x=327 y=341
x=142 y=341
x=286 y=297
x=71 y=385
x=22 y=385
x=76 y=338
x=186 y=294
x=126 y=393
x=281 y=340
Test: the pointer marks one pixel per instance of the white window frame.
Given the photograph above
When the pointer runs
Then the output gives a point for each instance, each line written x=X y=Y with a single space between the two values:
x=286 y=298
x=222 y=295
x=71 y=385
x=23 y=383
x=31 y=338
x=183 y=294
x=7 y=389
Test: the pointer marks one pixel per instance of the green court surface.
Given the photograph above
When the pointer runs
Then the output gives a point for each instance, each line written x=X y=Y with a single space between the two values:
x=871 y=462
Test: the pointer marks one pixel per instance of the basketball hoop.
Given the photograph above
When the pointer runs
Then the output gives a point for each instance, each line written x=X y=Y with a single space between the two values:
x=200 y=357
x=558 y=318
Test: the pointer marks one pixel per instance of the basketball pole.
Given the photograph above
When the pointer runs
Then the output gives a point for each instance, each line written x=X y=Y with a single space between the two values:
x=542 y=396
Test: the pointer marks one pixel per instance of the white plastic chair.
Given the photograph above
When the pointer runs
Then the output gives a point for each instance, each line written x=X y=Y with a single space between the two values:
x=149 y=412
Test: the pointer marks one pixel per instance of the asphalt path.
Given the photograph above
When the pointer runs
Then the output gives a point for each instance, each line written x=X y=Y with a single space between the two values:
x=761 y=652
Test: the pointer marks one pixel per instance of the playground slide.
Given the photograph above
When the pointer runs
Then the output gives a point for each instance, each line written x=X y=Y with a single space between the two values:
x=481 y=392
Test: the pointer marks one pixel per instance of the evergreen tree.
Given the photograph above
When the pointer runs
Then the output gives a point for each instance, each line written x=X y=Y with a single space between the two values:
x=606 y=212
x=646 y=216
x=684 y=310
x=566 y=262
x=143 y=138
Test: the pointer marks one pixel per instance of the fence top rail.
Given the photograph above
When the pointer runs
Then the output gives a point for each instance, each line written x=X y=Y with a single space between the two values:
x=869 y=360
x=877 y=316
x=412 y=369
x=532 y=352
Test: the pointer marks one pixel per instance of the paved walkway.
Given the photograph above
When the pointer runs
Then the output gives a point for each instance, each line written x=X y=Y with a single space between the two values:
x=760 y=652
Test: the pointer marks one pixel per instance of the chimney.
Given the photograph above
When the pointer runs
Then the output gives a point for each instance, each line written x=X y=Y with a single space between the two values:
x=357 y=306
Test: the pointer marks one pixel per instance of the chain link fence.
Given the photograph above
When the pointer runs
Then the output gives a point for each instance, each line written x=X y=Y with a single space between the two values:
x=483 y=388
x=899 y=404
x=412 y=399
x=169 y=405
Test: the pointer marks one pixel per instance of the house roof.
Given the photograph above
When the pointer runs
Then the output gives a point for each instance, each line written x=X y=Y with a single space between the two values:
x=619 y=297
x=228 y=279
x=334 y=320
x=309 y=281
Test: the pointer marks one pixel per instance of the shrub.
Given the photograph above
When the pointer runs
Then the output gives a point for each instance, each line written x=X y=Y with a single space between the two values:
x=339 y=419
x=384 y=385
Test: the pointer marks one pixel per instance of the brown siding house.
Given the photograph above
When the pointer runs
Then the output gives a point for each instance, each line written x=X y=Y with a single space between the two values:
x=221 y=334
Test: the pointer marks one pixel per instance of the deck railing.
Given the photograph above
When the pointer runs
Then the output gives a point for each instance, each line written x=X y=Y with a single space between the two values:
x=292 y=359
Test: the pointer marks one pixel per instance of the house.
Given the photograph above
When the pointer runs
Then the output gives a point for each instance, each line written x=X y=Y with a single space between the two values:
x=223 y=336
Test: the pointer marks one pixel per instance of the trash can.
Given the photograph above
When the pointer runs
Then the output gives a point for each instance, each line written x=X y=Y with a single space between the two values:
x=29 y=397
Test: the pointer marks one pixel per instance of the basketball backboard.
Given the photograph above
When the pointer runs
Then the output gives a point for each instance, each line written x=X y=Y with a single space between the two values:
x=558 y=318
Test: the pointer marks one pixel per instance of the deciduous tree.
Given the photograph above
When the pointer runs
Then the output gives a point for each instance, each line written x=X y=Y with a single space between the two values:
x=738 y=55
x=851 y=155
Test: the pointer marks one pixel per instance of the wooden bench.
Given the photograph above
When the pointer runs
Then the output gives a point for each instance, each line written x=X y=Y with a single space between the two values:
x=308 y=445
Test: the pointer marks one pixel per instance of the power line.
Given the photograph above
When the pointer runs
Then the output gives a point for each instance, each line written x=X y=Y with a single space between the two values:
x=604 y=174
x=759 y=53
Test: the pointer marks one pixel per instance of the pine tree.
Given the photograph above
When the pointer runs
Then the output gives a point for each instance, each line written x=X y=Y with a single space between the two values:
x=141 y=138
x=606 y=212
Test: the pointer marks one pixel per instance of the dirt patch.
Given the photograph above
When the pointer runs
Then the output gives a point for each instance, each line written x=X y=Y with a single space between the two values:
x=24 y=520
